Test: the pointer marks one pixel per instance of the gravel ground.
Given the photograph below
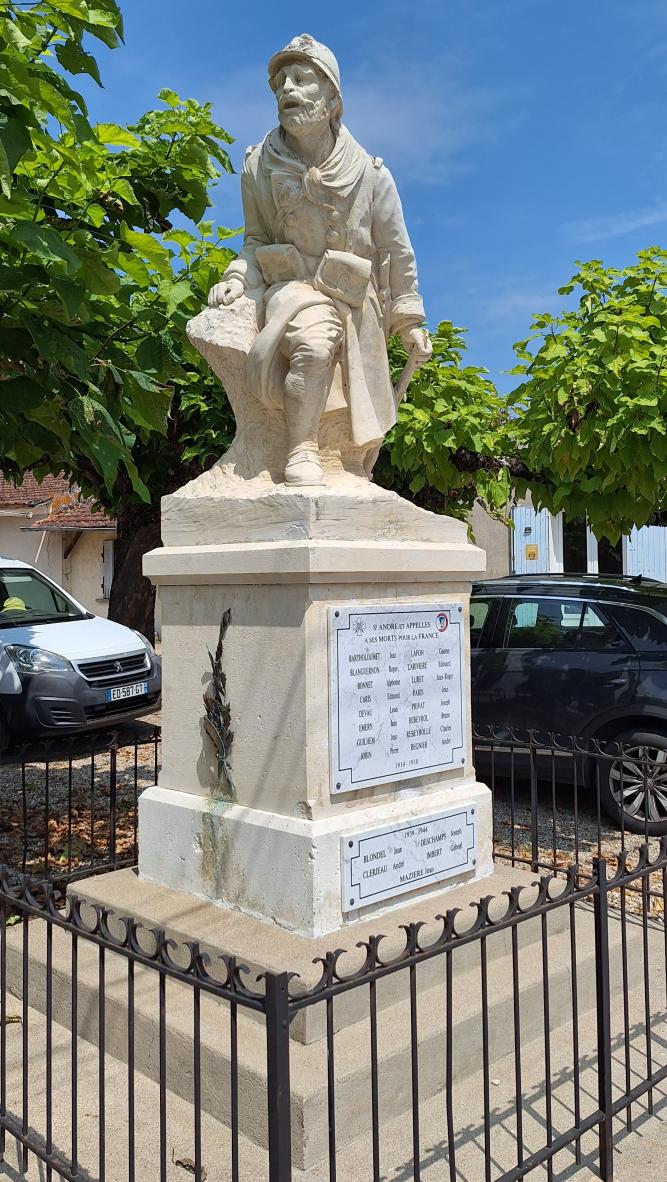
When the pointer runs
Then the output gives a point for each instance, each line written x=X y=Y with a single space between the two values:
x=574 y=833
x=58 y=811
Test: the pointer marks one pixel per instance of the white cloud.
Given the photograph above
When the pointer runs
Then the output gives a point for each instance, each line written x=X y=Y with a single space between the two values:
x=614 y=225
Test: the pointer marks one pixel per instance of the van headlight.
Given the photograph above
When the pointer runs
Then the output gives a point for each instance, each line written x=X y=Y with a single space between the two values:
x=36 y=660
x=147 y=644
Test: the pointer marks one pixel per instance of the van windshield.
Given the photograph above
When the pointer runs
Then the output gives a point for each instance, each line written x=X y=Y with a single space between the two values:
x=26 y=598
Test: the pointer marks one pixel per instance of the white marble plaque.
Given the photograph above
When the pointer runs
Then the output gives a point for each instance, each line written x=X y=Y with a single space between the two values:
x=397 y=704
x=381 y=863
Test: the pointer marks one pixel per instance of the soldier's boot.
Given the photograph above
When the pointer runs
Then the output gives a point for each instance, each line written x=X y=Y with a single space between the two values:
x=306 y=390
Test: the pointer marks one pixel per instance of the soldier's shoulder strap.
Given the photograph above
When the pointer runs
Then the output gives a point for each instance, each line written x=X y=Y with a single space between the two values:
x=377 y=161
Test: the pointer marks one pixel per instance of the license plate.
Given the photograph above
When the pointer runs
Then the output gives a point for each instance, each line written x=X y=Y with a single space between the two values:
x=127 y=691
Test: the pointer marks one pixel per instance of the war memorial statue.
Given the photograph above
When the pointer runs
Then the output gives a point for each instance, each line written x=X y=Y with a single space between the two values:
x=301 y=317
x=338 y=713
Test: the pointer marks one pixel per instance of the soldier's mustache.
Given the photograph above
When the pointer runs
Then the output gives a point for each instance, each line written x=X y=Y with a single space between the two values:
x=301 y=107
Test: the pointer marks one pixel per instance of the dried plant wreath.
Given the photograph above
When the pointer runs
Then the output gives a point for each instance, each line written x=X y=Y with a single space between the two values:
x=217 y=722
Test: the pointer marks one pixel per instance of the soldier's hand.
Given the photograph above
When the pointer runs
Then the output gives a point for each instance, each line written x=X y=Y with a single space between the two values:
x=225 y=292
x=418 y=342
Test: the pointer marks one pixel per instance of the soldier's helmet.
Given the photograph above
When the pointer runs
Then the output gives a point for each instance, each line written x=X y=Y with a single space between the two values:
x=305 y=48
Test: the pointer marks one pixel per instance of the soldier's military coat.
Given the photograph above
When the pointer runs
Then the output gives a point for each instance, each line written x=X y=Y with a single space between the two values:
x=348 y=204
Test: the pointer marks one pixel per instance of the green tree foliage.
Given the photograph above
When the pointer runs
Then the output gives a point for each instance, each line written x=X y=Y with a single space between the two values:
x=591 y=415
x=454 y=440
x=103 y=258
x=96 y=284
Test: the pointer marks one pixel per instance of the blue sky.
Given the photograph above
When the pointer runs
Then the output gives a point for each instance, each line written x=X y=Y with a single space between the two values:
x=523 y=134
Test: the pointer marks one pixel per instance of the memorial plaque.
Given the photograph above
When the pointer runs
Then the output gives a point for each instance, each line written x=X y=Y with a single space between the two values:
x=397 y=706
x=381 y=863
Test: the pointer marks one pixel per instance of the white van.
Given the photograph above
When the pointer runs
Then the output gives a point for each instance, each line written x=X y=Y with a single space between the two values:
x=63 y=669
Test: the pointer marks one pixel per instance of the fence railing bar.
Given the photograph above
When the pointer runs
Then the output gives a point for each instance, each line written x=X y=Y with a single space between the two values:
x=74 y=1069
x=516 y=1008
x=638 y=1090
x=375 y=1118
x=131 y=1145
x=101 y=1044
x=546 y=1013
x=24 y=815
x=486 y=1082
x=49 y=1046
x=603 y=1008
x=234 y=1087
x=30 y=1145
x=278 y=1077
x=534 y=832
x=414 y=1064
x=162 y=1072
x=542 y=1156
x=449 y=1067
x=46 y=818
x=196 y=1078
x=92 y=809
x=25 y=1019
x=331 y=1086
x=647 y=991
x=113 y=804
x=576 y=1077
x=580 y=894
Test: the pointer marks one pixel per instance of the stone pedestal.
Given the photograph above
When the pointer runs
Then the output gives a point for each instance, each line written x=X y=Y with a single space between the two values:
x=279 y=559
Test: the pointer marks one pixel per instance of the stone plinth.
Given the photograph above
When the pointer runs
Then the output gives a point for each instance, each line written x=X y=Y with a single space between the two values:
x=280 y=559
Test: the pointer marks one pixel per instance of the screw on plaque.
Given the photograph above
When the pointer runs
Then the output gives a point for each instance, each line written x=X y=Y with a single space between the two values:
x=338 y=784
x=351 y=902
x=350 y=843
x=336 y=614
x=460 y=609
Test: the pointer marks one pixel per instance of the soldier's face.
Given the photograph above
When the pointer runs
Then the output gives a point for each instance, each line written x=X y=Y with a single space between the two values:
x=303 y=95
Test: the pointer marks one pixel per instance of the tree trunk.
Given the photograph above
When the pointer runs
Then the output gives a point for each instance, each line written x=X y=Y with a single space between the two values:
x=132 y=598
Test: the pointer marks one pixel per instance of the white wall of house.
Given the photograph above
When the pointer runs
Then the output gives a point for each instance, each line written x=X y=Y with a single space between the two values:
x=494 y=539
x=537 y=546
x=40 y=549
x=83 y=570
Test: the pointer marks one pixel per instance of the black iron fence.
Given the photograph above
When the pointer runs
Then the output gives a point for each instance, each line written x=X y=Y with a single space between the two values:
x=560 y=800
x=68 y=808
x=530 y=1032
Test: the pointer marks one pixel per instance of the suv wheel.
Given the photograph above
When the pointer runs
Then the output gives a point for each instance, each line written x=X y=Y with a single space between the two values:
x=633 y=787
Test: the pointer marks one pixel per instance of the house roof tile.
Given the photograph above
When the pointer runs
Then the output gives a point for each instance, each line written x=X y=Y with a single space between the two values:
x=78 y=515
x=31 y=492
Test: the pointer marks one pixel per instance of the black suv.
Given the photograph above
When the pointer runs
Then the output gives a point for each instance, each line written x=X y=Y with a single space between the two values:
x=580 y=655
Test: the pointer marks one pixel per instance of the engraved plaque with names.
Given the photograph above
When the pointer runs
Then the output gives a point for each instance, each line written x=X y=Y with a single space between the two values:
x=381 y=863
x=397 y=704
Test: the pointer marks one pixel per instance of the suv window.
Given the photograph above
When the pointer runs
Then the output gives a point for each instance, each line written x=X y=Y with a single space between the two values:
x=598 y=633
x=543 y=623
x=559 y=623
x=479 y=610
x=647 y=632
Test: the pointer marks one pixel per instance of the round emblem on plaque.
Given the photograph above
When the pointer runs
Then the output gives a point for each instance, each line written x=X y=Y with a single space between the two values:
x=442 y=620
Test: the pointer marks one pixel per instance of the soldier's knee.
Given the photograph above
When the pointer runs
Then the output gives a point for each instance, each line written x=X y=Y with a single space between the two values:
x=318 y=351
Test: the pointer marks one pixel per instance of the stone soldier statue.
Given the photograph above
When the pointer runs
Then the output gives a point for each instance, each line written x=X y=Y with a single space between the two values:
x=327 y=249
